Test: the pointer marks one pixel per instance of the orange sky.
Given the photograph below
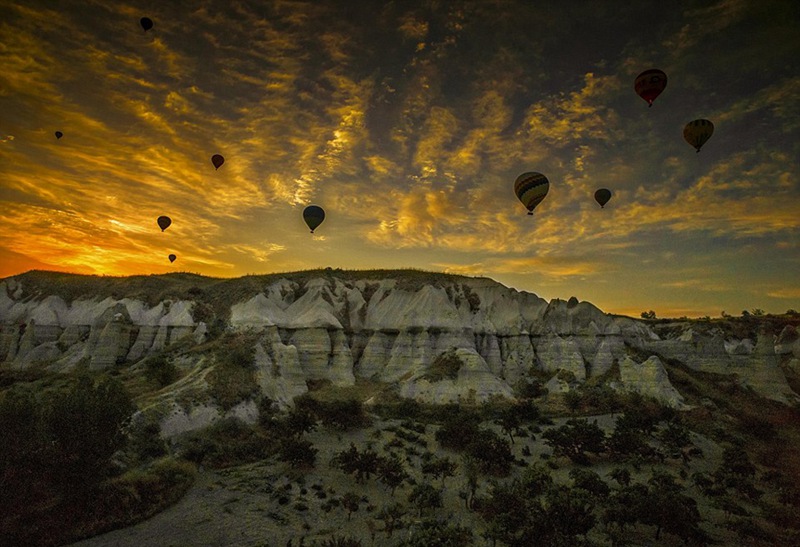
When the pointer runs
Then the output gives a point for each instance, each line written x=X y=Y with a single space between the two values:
x=409 y=124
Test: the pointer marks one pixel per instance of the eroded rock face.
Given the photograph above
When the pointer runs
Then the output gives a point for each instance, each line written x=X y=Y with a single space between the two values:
x=390 y=330
x=650 y=379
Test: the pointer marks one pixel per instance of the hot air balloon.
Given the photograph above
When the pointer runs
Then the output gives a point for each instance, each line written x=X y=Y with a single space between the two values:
x=164 y=222
x=649 y=84
x=313 y=215
x=59 y=134
x=531 y=188
x=697 y=132
x=602 y=196
x=146 y=23
x=172 y=258
x=217 y=160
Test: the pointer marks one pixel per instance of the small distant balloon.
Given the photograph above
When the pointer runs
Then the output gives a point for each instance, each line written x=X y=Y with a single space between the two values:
x=313 y=215
x=172 y=258
x=531 y=188
x=697 y=132
x=164 y=222
x=602 y=196
x=217 y=160
x=146 y=23
x=59 y=134
x=649 y=84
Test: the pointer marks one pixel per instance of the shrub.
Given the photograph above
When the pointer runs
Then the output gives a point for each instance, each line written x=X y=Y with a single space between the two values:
x=445 y=366
x=160 y=370
x=343 y=415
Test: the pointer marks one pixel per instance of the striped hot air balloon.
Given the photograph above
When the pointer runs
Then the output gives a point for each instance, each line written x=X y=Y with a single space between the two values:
x=697 y=132
x=531 y=188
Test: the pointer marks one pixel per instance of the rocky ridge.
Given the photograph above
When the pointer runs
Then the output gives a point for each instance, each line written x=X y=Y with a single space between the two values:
x=388 y=327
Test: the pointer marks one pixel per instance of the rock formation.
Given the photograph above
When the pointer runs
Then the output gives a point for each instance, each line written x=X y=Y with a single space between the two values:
x=387 y=327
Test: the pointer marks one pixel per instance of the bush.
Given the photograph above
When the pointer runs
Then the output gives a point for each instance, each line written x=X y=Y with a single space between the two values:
x=343 y=415
x=444 y=367
x=233 y=379
x=160 y=370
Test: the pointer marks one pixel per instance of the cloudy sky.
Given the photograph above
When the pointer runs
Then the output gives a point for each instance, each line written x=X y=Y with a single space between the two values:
x=408 y=122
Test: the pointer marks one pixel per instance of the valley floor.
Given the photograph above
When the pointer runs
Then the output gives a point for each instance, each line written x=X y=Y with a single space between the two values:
x=269 y=504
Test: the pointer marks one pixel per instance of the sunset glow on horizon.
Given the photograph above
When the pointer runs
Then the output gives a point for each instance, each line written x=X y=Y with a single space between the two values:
x=408 y=122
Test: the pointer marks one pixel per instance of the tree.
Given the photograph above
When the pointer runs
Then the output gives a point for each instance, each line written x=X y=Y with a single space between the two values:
x=492 y=453
x=85 y=426
x=668 y=509
x=299 y=421
x=621 y=475
x=426 y=497
x=439 y=468
x=351 y=502
x=392 y=517
x=391 y=472
x=458 y=430
x=343 y=415
x=509 y=420
x=570 y=513
x=160 y=370
x=575 y=438
x=433 y=533
x=648 y=314
x=299 y=453
x=623 y=508
x=353 y=462
x=589 y=481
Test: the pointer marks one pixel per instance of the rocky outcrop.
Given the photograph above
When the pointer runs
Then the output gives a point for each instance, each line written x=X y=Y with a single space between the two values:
x=649 y=379
x=386 y=328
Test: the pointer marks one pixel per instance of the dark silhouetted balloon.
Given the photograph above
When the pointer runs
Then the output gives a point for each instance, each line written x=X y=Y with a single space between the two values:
x=531 y=188
x=146 y=23
x=602 y=196
x=649 y=84
x=164 y=222
x=172 y=258
x=217 y=160
x=313 y=215
x=697 y=132
x=59 y=134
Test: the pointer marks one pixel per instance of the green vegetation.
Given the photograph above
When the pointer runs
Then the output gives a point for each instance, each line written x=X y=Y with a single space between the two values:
x=63 y=462
x=233 y=379
x=444 y=367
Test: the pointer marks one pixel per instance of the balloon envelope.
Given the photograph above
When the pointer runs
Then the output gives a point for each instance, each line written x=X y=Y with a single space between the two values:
x=146 y=23
x=531 y=188
x=59 y=134
x=172 y=258
x=164 y=222
x=649 y=84
x=217 y=160
x=602 y=196
x=697 y=132
x=313 y=215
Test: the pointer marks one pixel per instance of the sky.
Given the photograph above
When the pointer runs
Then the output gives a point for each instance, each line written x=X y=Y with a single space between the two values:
x=408 y=122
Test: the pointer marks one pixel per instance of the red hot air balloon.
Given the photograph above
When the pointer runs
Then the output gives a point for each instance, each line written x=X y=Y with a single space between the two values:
x=164 y=222
x=649 y=84
x=172 y=258
x=217 y=160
